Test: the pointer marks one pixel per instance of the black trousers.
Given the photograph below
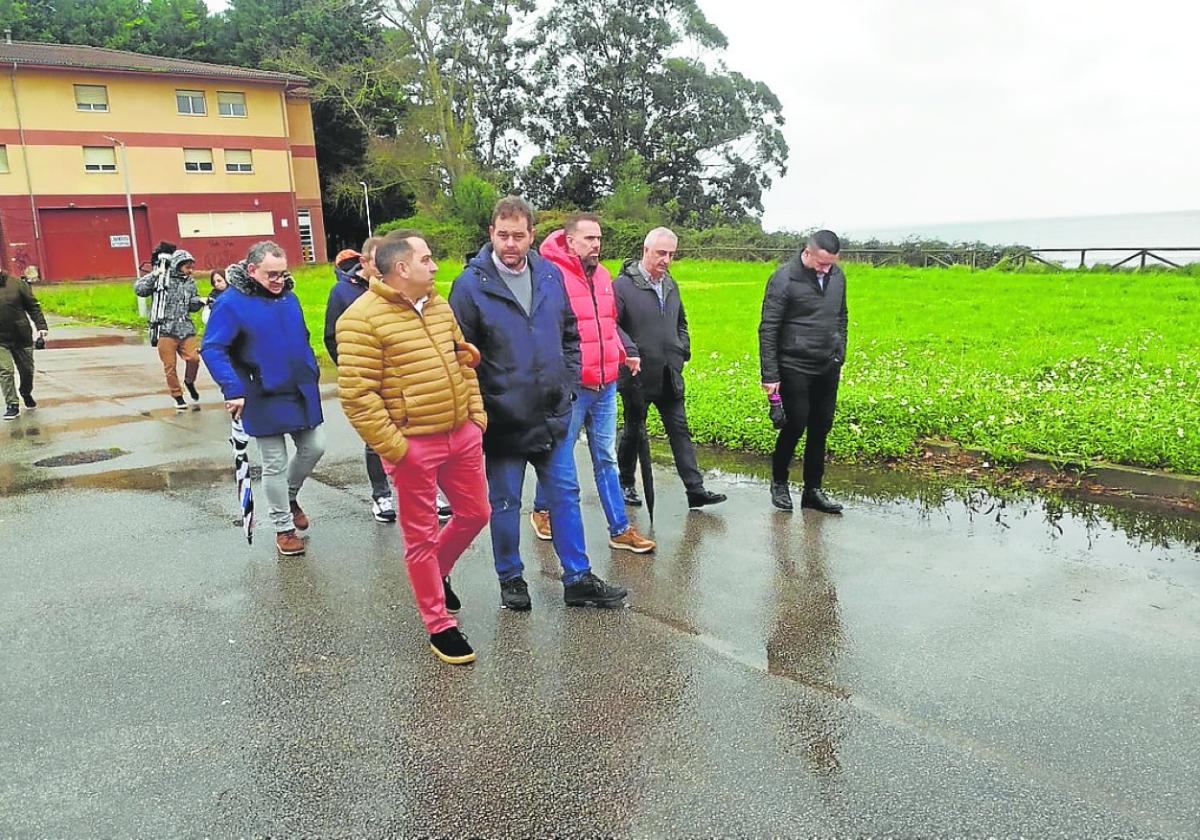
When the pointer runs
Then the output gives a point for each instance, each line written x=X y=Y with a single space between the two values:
x=379 y=480
x=809 y=400
x=674 y=417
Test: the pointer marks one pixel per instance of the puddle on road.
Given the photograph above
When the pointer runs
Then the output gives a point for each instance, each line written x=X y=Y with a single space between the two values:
x=87 y=456
x=15 y=481
x=1093 y=524
x=1143 y=522
x=95 y=341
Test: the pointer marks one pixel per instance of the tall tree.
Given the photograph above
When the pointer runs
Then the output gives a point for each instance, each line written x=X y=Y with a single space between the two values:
x=180 y=29
x=622 y=78
x=361 y=84
x=115 y=24
x=469 y=73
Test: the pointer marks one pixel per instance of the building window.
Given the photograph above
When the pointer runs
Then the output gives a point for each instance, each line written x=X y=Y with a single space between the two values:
x=231 y=104
x=4 y=159
x=99 y=159
x=91 y=98
x=198 y=160
x=190 y=102
x=254 y=223
x=238 y=160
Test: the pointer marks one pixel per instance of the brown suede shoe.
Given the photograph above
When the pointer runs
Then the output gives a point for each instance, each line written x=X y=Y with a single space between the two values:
x=631 y=540
x=299 y=518
x=289 y=544
x=540 y=520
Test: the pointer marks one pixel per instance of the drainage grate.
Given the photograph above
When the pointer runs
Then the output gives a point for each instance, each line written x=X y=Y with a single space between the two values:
x=87 y=456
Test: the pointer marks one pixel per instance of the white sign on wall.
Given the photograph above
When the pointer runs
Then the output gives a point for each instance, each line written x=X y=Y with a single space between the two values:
x=119 y=241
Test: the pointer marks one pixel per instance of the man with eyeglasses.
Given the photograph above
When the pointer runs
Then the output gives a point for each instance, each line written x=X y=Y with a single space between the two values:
x=257 y=349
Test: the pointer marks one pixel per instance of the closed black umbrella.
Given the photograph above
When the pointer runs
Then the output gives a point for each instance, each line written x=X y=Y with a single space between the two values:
x=647 y=468
x=239 y=440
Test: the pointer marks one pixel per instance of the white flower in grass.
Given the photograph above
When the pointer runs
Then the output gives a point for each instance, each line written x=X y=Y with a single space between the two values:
x=1179 y=432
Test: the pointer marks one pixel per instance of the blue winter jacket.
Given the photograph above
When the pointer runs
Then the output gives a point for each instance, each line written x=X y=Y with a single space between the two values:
x=530 y=362
x=256 y=346
x=348 y=288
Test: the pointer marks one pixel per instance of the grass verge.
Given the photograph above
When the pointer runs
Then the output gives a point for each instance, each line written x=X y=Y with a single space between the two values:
x=1077 y=365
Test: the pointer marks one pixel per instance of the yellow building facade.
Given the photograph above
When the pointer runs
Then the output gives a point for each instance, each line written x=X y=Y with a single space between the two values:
x=104 y=153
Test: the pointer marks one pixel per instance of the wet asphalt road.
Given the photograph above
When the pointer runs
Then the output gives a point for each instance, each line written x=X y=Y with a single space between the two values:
x=906 y=670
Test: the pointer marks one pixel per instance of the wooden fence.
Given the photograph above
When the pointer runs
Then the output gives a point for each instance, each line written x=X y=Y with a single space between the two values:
x=972 y=257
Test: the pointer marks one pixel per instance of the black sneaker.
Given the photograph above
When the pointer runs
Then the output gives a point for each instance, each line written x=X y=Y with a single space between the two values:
x=452 y=646
x=453 y=605
x=590 y=591
x=180 y=405
x=631 y=497
x=514 y=594
x=700 y=498
x=192 y=392
x=29 y=401
x=12 y=412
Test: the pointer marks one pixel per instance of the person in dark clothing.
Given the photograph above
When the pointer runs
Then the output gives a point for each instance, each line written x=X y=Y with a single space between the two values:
x=354 y=270
x=511 y=303
x=802 y=347
x=653 y=326
x=217 y=284
x=17 y=306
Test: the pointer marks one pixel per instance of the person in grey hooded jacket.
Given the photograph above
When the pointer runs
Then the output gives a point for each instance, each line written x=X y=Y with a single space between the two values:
x=177 y=335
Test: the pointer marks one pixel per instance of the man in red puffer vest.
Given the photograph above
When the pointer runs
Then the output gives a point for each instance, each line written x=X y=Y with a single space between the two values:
x=576 y=251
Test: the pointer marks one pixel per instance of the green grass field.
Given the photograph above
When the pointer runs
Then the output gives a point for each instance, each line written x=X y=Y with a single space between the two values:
x=1071 y=364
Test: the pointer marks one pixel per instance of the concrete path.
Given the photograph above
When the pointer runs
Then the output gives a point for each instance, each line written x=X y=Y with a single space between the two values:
x=926 y=665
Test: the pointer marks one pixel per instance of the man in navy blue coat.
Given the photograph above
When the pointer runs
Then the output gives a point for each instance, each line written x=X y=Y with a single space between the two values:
x=512 y=305
x=256 y=347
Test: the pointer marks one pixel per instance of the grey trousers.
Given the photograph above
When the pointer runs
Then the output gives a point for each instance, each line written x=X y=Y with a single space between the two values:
x=281 y=478
x=20 y=359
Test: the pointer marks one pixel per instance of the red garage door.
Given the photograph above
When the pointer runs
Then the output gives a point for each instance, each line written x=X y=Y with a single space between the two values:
x=84 y=242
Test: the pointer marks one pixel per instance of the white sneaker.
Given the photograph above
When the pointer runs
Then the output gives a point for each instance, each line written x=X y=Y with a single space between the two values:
x=382 y=509
x=443 y=507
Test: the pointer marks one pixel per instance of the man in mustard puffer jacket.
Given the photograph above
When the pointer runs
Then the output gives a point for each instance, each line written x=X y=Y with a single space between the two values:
x=407 y=383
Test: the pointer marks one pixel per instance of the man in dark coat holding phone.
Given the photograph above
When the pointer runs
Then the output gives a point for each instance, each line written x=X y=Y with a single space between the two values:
x=801 y=347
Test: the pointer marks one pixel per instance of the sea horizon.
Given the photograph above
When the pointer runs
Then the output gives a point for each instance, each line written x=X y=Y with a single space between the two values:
x=1107 y=238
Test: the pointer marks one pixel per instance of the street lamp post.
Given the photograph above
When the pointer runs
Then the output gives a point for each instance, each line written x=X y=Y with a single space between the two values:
x=367 y=204
x=137 y=261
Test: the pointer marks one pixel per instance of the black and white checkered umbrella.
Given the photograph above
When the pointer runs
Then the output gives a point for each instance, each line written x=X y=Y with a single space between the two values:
x=240 y=441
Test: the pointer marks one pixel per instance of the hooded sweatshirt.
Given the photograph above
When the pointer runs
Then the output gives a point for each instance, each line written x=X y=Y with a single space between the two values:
x=182 y=298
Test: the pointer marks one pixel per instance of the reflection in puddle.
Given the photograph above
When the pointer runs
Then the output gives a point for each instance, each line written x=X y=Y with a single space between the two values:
x=1142 y=521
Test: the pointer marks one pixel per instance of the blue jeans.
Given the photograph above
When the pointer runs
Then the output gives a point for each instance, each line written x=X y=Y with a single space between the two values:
x=556 y=472
x=598 y=411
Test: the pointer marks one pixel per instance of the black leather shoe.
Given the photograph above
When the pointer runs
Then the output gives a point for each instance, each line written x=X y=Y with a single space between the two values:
x=700 y=498
x=815 y=498
x=514 y=594
x=781 y=496
x=631 y=497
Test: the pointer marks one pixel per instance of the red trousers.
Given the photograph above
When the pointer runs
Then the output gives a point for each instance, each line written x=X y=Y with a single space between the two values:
x=454 y=462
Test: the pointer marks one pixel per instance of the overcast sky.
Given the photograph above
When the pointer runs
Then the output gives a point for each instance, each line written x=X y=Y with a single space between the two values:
x=909 y=111
x=902 y=112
